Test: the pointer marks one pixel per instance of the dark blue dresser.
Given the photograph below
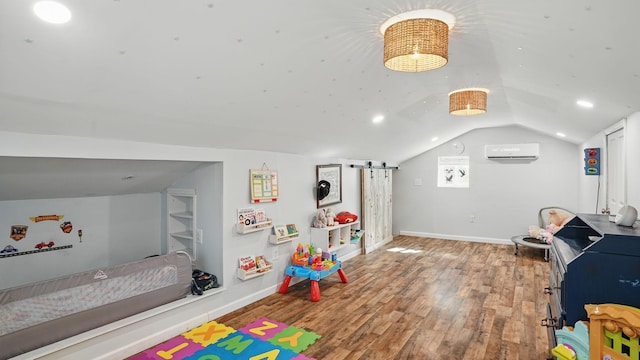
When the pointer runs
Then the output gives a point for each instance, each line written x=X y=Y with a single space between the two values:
x=592 y=261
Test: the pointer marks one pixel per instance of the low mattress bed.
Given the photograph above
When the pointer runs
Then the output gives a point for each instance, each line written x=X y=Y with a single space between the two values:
x=38 y=314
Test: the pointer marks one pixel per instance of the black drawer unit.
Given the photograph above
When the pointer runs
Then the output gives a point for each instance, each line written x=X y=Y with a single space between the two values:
x=592 y=261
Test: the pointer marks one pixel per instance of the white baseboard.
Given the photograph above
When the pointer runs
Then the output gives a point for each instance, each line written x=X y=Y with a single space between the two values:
x=350 y=255
x=459 y=237
x=371 y=247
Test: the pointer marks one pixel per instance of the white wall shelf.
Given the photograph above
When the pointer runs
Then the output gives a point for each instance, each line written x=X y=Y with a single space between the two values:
x=181 y=221
x=281 y=237
x=250 y=274
x=246 y=229
x=334 y=238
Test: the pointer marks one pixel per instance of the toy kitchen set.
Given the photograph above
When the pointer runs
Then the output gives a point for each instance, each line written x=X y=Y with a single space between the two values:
x=592 y=261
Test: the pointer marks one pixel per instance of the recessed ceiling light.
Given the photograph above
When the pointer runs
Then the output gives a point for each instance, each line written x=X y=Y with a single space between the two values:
x=52 y=12
x=561 y=134
x=377 y=119
x=585 y=104
x=435 y=138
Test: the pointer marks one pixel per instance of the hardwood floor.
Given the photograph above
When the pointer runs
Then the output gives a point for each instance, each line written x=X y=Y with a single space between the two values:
x=439 y=299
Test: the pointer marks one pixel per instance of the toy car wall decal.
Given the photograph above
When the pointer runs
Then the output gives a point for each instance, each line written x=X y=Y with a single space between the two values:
x=8 y=249
x=41 y=245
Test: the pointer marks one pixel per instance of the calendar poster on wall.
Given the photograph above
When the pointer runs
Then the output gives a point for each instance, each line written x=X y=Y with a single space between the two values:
x=264 y=185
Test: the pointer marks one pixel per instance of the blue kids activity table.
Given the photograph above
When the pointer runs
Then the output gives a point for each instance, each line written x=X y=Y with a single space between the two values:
x=313 y=275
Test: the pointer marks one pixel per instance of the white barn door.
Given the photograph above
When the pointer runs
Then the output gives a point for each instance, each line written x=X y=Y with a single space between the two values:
x=376 y=208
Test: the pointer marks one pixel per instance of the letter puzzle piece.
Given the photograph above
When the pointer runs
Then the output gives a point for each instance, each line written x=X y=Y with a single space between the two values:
x=176 y=348
x=208 y=333
x=263 y=328
x=295 y=339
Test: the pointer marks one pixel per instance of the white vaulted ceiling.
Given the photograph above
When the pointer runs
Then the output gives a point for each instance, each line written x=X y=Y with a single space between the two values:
x=307 y=76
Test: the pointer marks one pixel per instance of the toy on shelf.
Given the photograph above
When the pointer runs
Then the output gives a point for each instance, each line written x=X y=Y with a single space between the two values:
x=330 y=217
x=356 y=234
x=345 y=217
x=321 y=219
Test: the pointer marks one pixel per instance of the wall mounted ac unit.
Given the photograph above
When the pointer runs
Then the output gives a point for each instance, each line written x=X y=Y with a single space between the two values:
x=512 y=151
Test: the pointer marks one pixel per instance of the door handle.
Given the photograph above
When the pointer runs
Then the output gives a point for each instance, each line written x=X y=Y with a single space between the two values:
x=548 y=322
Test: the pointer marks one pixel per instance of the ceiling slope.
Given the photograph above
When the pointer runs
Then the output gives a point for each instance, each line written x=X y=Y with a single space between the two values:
x=306 y=76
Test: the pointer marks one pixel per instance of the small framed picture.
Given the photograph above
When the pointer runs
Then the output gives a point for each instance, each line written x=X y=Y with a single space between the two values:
x=329 y=184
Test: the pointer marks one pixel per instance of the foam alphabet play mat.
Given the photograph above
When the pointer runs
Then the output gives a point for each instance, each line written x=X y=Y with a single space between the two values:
x=263 y=339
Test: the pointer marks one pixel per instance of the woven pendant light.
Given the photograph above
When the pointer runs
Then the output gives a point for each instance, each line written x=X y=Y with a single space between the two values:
x=468 y=102
x=416 y=45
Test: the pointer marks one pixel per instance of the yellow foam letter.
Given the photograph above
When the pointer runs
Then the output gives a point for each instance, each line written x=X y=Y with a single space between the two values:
x=267 y=326
x=208 y=333
x=169 y=353
x=269 y=355
x=293 y=339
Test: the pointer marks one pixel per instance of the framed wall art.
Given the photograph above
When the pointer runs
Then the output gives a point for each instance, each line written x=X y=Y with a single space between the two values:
x=329 y=184
x=264 y=185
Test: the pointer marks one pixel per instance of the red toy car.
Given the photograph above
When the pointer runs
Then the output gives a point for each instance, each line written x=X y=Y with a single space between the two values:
x=43 y=244
x=345 y=217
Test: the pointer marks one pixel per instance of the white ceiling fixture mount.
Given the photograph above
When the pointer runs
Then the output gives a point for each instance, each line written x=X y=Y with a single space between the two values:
x=52 y=12
x=417 y=41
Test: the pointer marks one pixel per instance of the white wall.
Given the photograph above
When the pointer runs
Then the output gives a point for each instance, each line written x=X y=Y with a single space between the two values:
x=589 y=184
x=217 y=206
x=134 y=227
x=296 y=204
x=116 y=229
x=504 y=196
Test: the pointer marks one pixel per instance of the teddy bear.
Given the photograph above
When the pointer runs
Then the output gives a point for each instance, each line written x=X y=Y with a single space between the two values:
x=330 y=217
x=321 y=220
x=557 y=219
